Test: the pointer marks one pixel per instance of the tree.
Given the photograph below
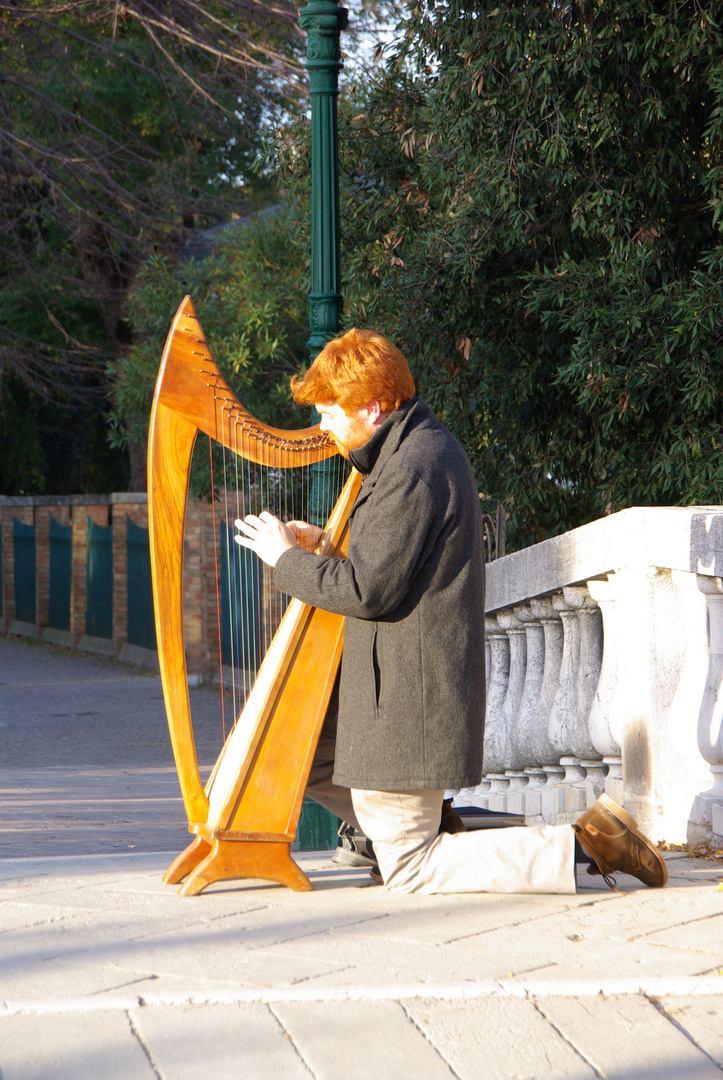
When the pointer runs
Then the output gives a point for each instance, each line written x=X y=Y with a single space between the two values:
x=123 y=128
x=532 y=211
x=251 y=295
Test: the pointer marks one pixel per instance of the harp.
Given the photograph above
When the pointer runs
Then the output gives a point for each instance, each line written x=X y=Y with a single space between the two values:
x=244 y=818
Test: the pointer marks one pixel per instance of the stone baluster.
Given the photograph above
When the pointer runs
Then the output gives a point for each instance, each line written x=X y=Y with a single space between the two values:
x=579 y=672
x=480 y=796
x=515 y=631
x=523 y=749
x=542 y=750
x=604 y=719
x=605 y=734
x=706 y=819
x=497 y=796
x=537 y=779
x=517 y=792
x=496 y=735
x=552 y=795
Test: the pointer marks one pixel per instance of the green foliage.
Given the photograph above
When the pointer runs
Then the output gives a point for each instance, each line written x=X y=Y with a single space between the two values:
x=250 y=295
x=531 y=211
x=124 y=129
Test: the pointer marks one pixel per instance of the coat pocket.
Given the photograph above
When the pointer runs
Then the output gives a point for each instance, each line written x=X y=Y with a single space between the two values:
x=376 y=674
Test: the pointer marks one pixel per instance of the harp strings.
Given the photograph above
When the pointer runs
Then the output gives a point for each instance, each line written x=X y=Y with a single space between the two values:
x=249 y=608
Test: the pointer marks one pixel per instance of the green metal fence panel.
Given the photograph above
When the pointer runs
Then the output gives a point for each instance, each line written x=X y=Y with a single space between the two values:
x=99 y=591
x=317 y=829
x=60 y=559
x=141 y=624
x=241 y=588
x=24 y=560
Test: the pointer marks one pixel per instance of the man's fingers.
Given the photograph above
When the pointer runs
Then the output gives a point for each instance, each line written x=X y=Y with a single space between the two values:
x=249 y=528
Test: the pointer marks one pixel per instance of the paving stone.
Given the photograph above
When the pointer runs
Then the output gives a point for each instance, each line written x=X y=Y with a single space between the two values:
x=498 y=1039
x=356 y=1040
x=449 y=919
x=627 y=1038
x=223 y=1042
x=77 y=1046
x=701 y=936
x=702 y=1019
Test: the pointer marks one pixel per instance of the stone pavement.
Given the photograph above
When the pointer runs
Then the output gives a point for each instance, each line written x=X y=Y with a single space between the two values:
x=107 y=973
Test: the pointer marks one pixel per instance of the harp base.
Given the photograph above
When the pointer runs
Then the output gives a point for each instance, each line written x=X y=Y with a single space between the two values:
x=189 y=858
x=204 y=862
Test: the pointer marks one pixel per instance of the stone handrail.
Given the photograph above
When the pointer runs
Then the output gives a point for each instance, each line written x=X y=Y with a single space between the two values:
x=605 y=672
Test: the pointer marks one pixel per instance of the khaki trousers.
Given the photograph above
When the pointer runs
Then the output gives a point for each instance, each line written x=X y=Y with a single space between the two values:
x=414 y=857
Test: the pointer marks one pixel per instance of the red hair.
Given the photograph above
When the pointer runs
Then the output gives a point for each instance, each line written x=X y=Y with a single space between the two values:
x=354 y=369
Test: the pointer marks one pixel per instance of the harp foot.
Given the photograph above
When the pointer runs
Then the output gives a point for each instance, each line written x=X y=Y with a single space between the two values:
x=187 y=861
x=269 y=861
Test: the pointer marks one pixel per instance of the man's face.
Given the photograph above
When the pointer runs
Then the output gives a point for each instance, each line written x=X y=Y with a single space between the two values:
x=349 y=432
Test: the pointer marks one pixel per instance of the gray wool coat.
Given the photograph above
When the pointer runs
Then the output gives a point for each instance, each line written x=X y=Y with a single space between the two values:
x=412 y=693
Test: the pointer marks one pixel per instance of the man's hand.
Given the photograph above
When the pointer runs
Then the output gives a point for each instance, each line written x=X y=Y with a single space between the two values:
x=266 y=535
x=307 y=536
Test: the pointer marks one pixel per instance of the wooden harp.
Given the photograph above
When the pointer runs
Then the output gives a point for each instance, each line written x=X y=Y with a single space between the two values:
x=245 y=817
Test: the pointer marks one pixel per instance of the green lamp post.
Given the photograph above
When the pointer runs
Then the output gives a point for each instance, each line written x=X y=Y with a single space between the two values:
x=323 y=21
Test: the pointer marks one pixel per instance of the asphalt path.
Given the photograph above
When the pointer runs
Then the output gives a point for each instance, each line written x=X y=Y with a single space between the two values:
x=86 y=764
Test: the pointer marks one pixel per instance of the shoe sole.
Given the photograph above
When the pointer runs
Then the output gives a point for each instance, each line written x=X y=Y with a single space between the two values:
x=350 y=858
x=630 y=823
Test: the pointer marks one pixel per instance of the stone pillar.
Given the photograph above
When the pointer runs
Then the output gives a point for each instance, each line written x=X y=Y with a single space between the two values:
x=495 y=744
x=706 y=818
x=650 y=663
x=21 y=508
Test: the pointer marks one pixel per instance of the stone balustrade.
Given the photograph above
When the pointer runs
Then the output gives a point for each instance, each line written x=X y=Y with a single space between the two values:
x=605 y=673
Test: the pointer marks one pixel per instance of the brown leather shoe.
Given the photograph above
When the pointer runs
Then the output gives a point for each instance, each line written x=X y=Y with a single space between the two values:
x=611 y=836
x=451 y=821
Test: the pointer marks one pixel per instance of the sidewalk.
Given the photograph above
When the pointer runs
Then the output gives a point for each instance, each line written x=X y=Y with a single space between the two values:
x=107 y=973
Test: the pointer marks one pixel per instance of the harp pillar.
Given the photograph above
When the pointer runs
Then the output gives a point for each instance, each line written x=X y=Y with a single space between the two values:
x=323 y=21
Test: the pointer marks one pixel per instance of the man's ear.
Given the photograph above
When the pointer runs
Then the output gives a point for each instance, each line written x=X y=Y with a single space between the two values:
x=374 y=411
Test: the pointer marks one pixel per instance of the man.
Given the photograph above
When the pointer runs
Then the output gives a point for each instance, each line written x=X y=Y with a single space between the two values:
x=411 y=698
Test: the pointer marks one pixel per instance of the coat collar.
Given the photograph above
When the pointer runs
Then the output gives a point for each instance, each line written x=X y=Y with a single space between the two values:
x=370 y=458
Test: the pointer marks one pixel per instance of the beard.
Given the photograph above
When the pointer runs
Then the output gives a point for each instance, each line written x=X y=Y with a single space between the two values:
x=356 y=435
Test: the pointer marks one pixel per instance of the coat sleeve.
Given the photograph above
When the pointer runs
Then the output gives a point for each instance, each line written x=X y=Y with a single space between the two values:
x=391 y=535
